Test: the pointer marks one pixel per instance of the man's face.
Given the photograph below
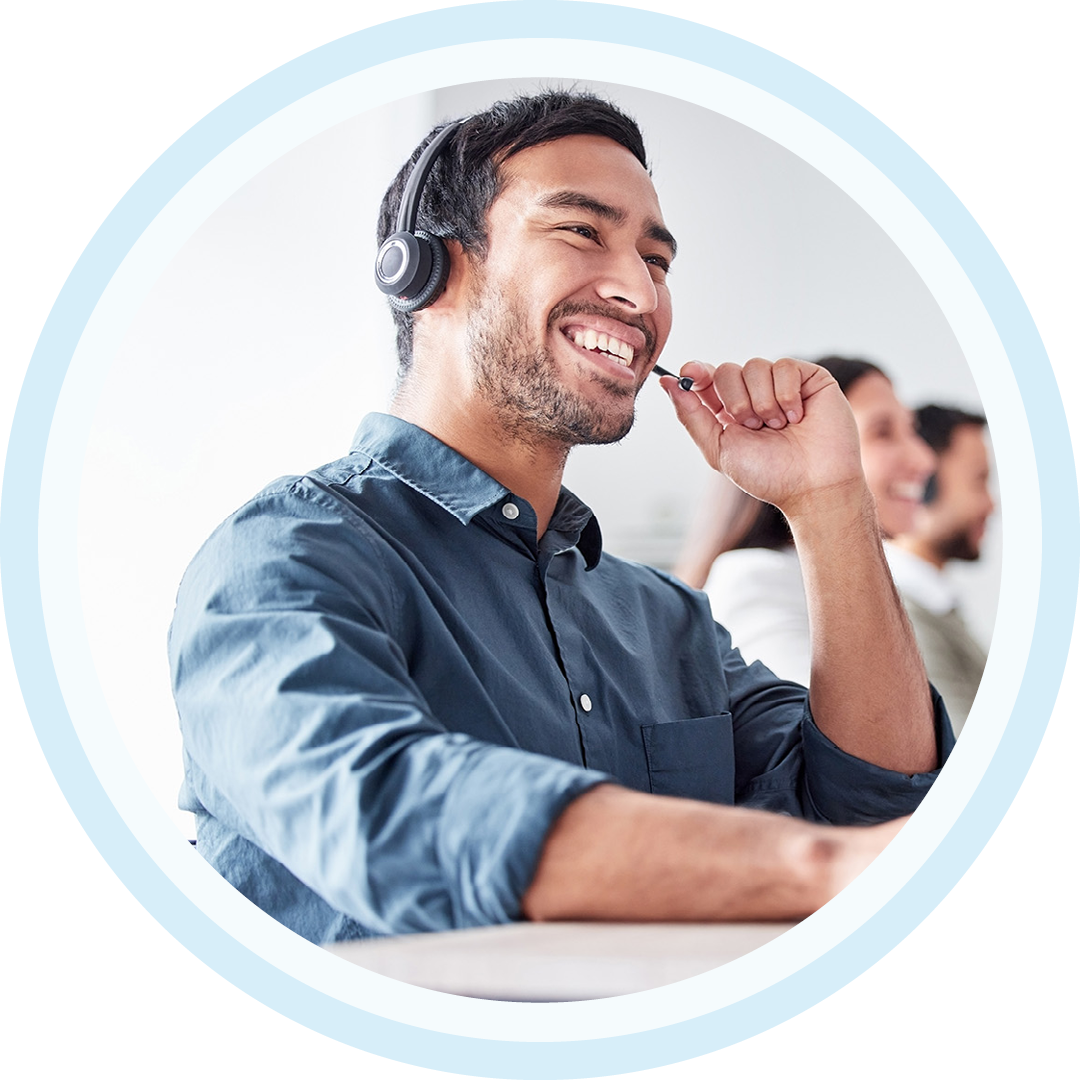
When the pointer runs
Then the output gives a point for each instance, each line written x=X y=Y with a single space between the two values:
x=955 y=522
x=570 y=308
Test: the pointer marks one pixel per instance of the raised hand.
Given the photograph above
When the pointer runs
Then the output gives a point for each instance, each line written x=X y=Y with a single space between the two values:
x=780 y=430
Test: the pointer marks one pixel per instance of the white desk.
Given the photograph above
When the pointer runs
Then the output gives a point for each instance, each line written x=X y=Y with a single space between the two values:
x=558 y=961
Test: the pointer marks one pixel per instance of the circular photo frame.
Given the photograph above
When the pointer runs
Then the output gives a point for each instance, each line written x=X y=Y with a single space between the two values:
x=48 y=628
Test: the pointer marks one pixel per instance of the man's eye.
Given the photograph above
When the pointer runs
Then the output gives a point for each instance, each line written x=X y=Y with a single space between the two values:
x=586 y=231
x=658 y=261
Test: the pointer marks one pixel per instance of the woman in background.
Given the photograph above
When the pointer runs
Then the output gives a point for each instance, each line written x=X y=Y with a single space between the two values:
x=741 y=550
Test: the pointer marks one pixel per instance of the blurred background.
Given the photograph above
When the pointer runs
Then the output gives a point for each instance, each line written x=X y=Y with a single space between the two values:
x=263 y=344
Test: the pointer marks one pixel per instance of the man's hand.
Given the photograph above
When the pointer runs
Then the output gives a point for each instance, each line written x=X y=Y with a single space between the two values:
x=782 y=431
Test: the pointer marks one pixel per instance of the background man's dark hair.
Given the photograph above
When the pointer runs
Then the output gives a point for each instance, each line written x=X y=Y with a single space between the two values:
x=465 y=180
x=936 y=424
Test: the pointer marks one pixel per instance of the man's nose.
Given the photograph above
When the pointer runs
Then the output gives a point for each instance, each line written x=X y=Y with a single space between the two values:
x=626 y=280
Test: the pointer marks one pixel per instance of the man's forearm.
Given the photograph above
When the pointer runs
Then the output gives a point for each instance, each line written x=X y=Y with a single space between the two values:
x=868 y=687
x=622 y=855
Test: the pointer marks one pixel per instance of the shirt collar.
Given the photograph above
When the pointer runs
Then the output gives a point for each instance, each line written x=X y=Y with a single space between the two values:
x=576 y=525
x=453 y=482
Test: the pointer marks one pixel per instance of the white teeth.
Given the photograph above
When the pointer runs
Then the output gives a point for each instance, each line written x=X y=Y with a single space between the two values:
x=612 y=346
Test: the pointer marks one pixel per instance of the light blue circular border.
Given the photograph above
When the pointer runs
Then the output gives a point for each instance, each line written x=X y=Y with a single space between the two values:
x=491 y=22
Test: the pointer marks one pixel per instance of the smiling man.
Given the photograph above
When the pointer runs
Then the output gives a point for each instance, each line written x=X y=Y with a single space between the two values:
x=951 y=524
x=415 y=692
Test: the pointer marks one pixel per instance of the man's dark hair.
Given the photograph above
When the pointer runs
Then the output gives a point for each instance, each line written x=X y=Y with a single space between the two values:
x=465 y=179
x=936 y=424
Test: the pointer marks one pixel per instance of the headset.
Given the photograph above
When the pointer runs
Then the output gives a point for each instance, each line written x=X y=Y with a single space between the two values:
x=412 y=266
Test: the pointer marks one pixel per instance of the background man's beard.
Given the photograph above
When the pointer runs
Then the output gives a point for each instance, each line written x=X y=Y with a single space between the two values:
x=958 y=546
x=523 y=388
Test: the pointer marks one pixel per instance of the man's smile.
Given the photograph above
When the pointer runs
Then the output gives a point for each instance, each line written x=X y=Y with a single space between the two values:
x=590 y=340
x=603 y=338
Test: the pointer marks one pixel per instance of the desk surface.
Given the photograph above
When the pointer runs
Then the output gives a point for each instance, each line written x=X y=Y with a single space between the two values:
x=558 y=961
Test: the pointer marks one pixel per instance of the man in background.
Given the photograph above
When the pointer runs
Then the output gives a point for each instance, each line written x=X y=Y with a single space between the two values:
x=950 y=525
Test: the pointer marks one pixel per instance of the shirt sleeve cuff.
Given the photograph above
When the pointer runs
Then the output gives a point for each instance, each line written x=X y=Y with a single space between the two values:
x=845 y=790
x=496 y=818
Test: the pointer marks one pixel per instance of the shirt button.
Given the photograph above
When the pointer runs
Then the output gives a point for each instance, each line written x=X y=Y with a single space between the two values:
x=510 y=511
x=586 y=702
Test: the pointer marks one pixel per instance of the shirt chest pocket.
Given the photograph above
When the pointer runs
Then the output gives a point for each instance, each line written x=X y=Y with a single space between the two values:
x=694 y=758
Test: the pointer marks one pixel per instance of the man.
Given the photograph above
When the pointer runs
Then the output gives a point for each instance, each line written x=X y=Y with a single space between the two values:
x=416 y=694
x=950 y=525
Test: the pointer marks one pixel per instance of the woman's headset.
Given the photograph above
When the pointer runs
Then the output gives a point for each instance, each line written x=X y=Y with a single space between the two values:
x=412 y=266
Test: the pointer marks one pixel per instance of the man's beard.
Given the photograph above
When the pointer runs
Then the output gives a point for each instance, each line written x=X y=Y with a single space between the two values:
x=959 y=546
x=521 y=383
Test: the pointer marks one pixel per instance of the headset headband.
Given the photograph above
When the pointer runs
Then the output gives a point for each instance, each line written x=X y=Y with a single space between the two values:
x=409 y=209
x=411 y=267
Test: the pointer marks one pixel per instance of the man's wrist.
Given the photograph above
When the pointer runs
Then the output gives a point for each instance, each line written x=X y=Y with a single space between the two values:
x=843 y=509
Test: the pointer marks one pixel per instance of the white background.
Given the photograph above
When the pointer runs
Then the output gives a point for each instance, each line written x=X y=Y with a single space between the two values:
x=94 y=95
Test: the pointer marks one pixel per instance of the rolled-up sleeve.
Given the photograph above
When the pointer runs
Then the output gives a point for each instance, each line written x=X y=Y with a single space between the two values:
x=785 y=764
x=305 y=734
x=845 y=790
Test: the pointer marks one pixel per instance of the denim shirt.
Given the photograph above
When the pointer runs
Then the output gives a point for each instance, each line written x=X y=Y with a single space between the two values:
x=389 y=690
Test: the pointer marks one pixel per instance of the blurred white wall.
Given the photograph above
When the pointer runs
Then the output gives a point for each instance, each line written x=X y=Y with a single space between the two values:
x=265 y=341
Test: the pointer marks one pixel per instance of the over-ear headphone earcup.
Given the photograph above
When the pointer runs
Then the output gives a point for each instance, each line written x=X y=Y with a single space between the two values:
x=402 y=265
x=427 y=284
x=412 y=268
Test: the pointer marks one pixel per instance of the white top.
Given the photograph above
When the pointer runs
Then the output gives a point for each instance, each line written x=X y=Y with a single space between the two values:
x=921 y=581
x=758 y=595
